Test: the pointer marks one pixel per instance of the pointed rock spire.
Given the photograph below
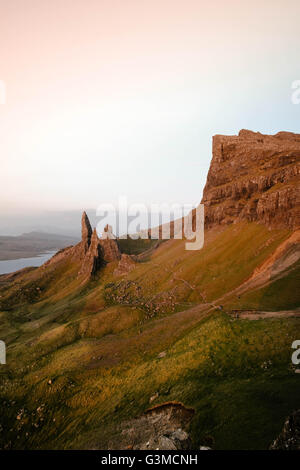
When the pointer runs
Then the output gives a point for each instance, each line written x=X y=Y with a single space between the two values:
x=93 y=259
x=86 y=231
x=94 y=252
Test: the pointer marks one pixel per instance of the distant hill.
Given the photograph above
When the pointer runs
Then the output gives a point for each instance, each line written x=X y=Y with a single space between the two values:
x=32 y=244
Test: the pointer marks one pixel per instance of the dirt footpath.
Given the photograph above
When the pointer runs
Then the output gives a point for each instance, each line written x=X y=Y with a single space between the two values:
x=257 y=315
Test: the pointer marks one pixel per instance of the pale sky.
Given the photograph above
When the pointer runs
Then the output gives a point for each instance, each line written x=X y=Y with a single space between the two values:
x=121 y=97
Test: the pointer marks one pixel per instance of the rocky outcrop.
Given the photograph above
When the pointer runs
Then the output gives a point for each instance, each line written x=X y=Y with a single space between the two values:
x=93 y=259
x=254 y=177
x=109 y=245
x=289 y=438
x=92 y=252
x=161 y=427
x=97 y=251
x=126 y=264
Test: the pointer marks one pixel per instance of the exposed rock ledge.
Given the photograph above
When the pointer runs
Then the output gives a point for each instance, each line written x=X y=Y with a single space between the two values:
x=161 y=427
x=254 y=177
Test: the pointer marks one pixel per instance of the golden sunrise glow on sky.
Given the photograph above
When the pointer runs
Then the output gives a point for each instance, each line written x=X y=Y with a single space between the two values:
x=121 y=97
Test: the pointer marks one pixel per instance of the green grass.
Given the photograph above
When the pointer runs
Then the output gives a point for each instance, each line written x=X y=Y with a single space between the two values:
x=217 y=368
x=99 y=342
x=135 y=247
x=283 y=294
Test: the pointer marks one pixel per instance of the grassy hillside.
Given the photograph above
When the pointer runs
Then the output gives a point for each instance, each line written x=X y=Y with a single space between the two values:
x=281 y=294
x=82 y=359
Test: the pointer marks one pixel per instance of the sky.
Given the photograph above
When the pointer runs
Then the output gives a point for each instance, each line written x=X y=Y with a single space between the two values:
x=122 y=97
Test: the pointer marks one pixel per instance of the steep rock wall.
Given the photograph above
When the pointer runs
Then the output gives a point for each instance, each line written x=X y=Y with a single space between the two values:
x=254 y=177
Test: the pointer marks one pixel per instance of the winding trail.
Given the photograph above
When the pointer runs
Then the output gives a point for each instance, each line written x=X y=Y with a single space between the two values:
x=257 y=314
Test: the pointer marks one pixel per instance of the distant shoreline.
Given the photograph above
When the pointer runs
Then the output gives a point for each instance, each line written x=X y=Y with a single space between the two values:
x=25 y=255
x=31 y=245
x=13 y=265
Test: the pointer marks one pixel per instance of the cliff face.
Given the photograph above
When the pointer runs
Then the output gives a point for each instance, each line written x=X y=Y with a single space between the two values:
x=254 y=177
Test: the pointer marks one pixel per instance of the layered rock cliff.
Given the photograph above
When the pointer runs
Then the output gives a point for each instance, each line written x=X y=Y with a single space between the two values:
x=254 y=177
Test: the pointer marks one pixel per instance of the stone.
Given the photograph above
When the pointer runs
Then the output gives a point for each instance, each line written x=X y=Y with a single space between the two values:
x=162 y=354
x=154 y=397
x=181 y=439
x=180 y=435
x=164 y=443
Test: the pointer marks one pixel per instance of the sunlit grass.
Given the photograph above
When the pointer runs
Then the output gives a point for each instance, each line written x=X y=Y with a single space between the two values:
x=93 y=362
